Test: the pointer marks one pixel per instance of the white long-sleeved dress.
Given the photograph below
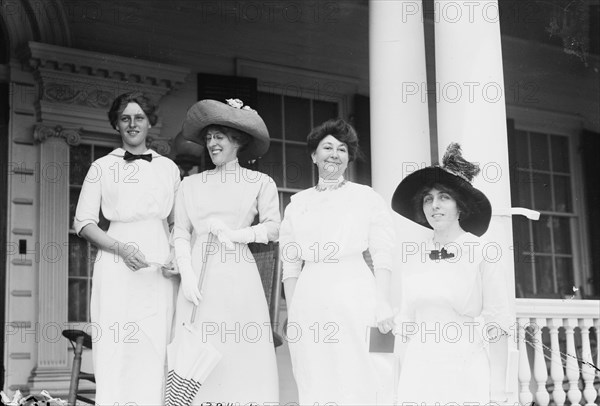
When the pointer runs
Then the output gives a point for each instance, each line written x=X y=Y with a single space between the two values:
x=132 y=312
x=233 y=314
x=322 y=240
x=447 y=305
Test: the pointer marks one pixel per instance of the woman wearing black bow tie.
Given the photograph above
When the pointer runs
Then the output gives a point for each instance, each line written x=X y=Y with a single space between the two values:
x=132 y=300
x=454 y=297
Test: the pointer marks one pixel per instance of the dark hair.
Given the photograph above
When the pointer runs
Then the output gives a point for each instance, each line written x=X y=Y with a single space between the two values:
x=239 y=137
x=417 y=201
x=341 y=130
x=121 y=102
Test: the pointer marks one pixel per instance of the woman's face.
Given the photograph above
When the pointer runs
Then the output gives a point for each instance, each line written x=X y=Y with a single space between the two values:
x=220 y=147
x=331 y=157
x=440 y=209
x=133 y=125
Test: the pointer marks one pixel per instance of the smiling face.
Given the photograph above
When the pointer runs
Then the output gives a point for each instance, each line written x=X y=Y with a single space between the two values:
x=331 y=157
x=133 y=125
x=221 y=147
x=440 y=209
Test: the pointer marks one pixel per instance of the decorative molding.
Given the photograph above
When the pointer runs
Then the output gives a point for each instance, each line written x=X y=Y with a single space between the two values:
x=42 y=132
x=77 y=87
x=20 y=355
x=20 y=324
x=162 y=146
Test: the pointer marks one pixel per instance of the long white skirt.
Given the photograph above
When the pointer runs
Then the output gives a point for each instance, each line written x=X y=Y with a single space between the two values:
x=332 y=308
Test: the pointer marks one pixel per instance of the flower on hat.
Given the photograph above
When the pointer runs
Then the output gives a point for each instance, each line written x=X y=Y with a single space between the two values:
x=238 y=104
x=235 y=103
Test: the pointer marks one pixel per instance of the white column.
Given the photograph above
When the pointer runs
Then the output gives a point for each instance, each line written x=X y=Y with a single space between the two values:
x=52 y=370
x=398 y=89
x=399 y=117
x=471 y=108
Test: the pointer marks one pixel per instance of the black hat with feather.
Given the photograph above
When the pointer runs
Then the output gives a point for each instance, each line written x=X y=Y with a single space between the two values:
x=456 y=174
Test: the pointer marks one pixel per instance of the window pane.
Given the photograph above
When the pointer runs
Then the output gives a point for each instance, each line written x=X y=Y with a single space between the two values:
x=298 y=167
x=560 y=153
x=272 y=163
x=564 y=275
x=73 y=199
x=99 y=152
x=524 y=278
x=522 y=158
x=539 y=151
x=78 y=300
x=80 y=160
x=323 y=111
x=297 y=118
x=544 y=277
x=521 y=237
x=523 y=195
x=285 y=200
x=269 y=108
x=562 y=235
x=542 y=240
x=78 y=256
x=541 y=191
x=562 y=194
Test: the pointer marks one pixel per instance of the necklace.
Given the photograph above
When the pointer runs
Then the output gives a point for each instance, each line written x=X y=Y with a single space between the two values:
x=322 y=187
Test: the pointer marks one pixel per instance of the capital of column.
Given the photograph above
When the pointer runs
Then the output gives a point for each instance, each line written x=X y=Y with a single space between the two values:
x=42 y=132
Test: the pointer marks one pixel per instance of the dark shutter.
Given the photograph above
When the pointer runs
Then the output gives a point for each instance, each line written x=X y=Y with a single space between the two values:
x=361 y=120
x=222 y=87
x=590 y=145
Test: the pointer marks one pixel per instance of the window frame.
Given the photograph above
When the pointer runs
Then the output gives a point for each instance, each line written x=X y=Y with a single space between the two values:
x=295 y=82
x=571 y=126
x=92 y=141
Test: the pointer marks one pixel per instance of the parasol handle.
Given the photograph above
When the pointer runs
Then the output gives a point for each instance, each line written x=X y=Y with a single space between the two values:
x=211 y=240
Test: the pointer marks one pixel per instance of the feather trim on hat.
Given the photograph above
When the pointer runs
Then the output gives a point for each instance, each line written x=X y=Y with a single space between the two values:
x=454 y=163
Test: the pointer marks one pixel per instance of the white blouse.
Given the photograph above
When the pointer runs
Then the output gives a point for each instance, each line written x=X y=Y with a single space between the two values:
x=127 y=191
x=333 y=224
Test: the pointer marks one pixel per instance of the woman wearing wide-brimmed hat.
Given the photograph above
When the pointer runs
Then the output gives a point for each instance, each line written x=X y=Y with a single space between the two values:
x=454 y=297
x=333 y=297
x=232 y=311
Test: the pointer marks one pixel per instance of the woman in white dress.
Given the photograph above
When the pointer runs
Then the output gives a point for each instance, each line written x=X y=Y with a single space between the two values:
x=332 y=295
x=454 y=297
x=232 y=309
x=132 y=302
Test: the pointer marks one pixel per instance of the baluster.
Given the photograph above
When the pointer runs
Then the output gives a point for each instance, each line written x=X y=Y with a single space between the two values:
x=556 y=368
x=572 y=367
x=540 y=373
x=587 y=372
x=525 y=396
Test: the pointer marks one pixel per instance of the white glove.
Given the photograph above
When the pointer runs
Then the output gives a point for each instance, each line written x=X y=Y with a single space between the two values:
x=189 y=285
x=242 y=236
x=220 y=229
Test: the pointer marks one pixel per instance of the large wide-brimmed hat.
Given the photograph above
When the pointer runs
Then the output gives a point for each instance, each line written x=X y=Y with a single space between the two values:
x=231 y=114
x=455 y=173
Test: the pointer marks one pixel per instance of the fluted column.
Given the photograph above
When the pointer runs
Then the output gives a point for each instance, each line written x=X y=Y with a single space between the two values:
x=53 y=259
x=398 y=88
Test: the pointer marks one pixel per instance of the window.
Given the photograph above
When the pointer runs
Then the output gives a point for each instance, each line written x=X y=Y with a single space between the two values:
x=82 y=254
x=542 y=179
x=289 y=120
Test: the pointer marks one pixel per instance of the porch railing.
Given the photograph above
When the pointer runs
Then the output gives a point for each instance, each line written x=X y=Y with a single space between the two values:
x=558 y=351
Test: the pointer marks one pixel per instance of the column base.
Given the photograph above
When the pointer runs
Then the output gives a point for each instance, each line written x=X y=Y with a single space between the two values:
x=55 y=380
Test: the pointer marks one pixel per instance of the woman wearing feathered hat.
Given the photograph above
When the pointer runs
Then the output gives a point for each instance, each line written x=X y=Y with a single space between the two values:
x=453 y=278
x=232 y=309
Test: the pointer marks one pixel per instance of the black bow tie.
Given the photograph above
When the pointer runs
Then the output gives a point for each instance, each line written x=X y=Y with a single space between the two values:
x=132 y=157
x=443 y=254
